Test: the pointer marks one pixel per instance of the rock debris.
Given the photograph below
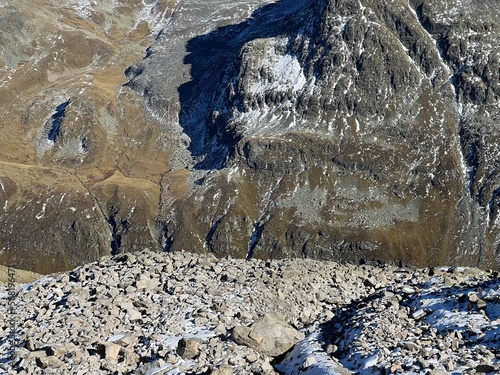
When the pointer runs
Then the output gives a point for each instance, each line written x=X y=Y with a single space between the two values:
x=171 y=313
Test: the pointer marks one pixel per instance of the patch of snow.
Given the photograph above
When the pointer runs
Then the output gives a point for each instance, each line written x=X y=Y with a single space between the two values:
x=83 y=8
x=447 y=314
x=230 y=175
x=8 y=77
x=286 y=73
x=4 y=295
x=41 y=213
x=309 y=358
x=116 y=337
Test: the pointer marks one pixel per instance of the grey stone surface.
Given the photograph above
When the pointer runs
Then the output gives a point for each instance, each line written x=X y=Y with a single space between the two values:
x=269 y=335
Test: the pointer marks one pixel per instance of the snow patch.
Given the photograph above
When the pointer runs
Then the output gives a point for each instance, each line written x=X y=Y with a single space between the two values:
x=309 y=358
x=285 y=74
x=41 y=213
x=83 y=8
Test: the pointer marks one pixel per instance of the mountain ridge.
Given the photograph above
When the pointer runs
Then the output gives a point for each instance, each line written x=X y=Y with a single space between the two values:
x=355 y=130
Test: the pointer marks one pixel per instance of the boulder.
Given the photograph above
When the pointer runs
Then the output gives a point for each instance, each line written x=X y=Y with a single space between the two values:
x=188 y=348
x=270 y=335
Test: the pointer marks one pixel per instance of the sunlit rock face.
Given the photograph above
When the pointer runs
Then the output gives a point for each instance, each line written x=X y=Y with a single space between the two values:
x=353 y=130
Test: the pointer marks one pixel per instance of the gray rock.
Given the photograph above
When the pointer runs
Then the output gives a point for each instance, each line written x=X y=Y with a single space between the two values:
x=188 y=348
x=111 y=350
x=419 y=314
x=151 y=368
x=269 y=335
x=132 y=312
x=437 y=372
x=223 y=370
x=485 y=368
x=49 y=362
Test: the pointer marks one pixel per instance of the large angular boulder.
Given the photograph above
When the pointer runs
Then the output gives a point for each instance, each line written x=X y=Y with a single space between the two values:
x=270 y=335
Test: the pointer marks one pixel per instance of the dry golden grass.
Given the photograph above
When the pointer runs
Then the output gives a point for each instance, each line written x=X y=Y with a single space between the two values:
x=19 y=276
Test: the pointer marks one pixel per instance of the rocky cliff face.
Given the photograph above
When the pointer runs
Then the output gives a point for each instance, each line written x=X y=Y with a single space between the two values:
x=339 y=130
x=335 y=130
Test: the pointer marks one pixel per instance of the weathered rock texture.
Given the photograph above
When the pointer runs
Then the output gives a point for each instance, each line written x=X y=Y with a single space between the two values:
x=271 y=335
x=328 y=129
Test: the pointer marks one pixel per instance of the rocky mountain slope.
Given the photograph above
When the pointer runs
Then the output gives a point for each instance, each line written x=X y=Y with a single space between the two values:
x=78 y=155
x=335 y=130
x=152 y=313
x=356 y=129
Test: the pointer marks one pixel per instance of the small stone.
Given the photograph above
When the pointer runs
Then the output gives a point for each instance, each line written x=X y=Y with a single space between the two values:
x=133 y=313
x=484 y=368
x=321 y=296
x=422 y=363
x=188 y=348
x=245 y=315
x=437 y=372
x=49 y=362
x=267 y=368
x=308 y=362
x=473 y=297
x=481 y=304
x=252 y=357
x=109 y=364
x=123 y=339
x=330 y=349
x=395 y=368
x=130 y=358
x=171 y=358
x=382 y=278
x=408 y=290
x=369 y=283
x=449 y=365
x=418 y=314
x=151 y=368
x=111 y=350
x=220 y=329
x=223 y=370
x=410 y=346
